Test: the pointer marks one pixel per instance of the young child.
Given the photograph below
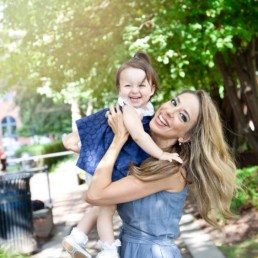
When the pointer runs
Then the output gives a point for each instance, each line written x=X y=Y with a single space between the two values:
x=136 y=81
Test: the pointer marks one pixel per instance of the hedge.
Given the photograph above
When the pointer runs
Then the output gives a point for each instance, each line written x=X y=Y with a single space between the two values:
x=41 y=149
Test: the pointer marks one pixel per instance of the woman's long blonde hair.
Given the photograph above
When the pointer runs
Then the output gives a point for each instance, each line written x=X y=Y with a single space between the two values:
x=207 y=159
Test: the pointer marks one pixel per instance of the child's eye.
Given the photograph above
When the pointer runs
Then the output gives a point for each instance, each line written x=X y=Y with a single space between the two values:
x=127 y=85
x=142 y=85
x=174 y=102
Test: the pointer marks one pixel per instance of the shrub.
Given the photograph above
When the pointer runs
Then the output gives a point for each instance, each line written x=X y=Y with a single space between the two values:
x=33 y=150
x=41 y=149
x=248 y=195
x=53 y=147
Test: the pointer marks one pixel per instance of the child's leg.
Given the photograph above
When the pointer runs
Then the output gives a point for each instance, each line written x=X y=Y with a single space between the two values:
x=89 y=219
x=107 y=242
x=105 y=223
x=75 y=243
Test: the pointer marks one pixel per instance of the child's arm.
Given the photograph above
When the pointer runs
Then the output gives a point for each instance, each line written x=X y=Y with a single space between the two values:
x=135 y=128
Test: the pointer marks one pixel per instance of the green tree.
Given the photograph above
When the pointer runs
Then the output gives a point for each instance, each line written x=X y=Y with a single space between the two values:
x=43 y=116
x=66 y=50
x=70 y=50
x=66 y=47
x=211 y=45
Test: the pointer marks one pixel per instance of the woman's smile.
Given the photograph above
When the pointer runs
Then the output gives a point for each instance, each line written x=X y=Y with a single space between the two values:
x=163 y=120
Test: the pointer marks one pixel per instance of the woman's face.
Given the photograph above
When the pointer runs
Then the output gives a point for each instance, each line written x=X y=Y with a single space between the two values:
x=174 y=119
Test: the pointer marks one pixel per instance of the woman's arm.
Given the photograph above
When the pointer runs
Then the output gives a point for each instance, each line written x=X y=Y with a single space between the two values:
x=102 y=191
x=71 y=142
x=130 y=188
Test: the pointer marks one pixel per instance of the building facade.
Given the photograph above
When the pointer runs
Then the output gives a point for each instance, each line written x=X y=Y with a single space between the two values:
x=10 y=122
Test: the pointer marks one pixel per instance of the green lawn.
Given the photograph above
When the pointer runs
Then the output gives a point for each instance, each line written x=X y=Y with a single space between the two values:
x=247 y=249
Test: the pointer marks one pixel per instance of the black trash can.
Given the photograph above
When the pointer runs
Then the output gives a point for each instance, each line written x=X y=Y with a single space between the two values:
x=16 y=224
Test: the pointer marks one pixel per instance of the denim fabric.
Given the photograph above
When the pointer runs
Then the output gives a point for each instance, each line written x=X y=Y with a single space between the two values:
x=150 y=225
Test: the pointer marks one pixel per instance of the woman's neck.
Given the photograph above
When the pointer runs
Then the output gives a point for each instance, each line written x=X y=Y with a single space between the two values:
x=163 y=143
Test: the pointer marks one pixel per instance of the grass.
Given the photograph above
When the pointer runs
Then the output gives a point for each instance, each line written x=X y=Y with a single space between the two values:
x=246 y=249
x=5 y=253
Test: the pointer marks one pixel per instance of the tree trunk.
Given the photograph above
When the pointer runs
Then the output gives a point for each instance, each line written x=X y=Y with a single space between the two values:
x=76 y=114
x=230 y=86
x=89 y=108
x=245 y=71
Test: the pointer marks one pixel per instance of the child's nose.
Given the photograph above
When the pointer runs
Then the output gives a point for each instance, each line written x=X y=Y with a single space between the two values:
x=135 y=89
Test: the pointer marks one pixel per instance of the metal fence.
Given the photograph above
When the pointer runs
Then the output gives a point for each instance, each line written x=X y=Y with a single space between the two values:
x=16 y=214
x=16 y=229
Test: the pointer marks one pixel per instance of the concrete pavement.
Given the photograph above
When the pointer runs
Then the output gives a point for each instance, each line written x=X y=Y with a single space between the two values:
x=198 y=243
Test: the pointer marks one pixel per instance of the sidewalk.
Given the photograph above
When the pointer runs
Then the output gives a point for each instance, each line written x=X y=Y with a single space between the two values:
x=68 y=208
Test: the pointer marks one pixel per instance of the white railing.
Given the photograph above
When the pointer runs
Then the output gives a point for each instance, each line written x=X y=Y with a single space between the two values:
x=38 y=157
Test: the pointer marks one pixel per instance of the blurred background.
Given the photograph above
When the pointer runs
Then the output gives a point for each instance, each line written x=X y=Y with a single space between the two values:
x=59 y=58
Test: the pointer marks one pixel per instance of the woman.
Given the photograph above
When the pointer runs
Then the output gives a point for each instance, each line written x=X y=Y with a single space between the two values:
x=150 y=200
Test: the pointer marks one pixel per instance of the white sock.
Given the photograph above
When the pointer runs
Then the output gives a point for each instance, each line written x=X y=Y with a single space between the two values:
x=79 y=236
x=106 y=246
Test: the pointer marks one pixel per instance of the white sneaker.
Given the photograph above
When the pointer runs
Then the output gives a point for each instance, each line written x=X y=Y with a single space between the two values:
x=109 y=251
x=75 y=249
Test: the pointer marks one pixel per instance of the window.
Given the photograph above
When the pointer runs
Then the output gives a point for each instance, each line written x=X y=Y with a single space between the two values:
x=8 y=127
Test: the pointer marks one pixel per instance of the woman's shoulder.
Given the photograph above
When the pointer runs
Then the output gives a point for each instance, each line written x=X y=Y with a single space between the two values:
x=177 y=181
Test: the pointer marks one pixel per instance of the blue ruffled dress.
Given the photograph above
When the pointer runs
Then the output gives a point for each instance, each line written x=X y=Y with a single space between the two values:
x=150 y=225
x=96 y=137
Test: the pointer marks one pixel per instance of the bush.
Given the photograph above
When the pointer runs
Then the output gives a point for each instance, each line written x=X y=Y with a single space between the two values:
x=52 y=148
x=41 y=149
x=248 y=195
x=5 y=253
x=33 y=150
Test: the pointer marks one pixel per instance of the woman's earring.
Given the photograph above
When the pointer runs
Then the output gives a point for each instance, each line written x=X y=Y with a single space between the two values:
x=180 y=143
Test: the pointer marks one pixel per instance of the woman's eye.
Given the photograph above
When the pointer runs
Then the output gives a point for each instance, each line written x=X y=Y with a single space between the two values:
x=174 y=102
x=183 y=117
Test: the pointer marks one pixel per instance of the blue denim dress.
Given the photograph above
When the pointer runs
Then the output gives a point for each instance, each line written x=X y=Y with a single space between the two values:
x=150 y=225
x=96 y=137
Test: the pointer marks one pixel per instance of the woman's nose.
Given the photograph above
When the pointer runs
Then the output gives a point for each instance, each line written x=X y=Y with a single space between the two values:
x=170 y=112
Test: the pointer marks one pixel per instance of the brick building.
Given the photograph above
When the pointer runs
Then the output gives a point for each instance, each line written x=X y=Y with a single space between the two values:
x=10 y=122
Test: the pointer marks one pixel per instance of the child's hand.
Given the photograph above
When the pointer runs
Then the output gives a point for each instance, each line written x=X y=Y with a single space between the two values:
x=171 y=156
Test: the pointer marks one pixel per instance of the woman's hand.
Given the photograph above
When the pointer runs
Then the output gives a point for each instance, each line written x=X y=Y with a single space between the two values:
x=115 y=121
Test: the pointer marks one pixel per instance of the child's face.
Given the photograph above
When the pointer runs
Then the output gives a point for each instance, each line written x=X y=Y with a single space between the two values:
x=134 y=87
